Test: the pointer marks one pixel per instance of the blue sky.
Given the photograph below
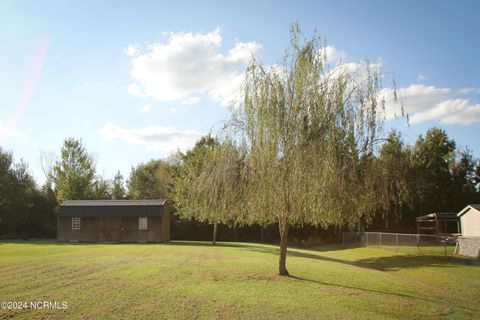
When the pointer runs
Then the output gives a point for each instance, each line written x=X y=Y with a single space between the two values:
x=138 y=79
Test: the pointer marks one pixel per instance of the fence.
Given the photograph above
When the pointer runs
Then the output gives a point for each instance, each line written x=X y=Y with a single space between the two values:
x=419 y=244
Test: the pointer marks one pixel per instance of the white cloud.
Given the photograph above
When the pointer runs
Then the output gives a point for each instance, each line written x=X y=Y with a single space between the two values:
x=17 y=135
x=424 y=103
x=12 y=134
x=334 y=56
x=131 y=50
x=338 y=65
x=358 y=73
x=146 y=108
x=94 y=84
x=191 y=101
x=165 y=139
x=7 y=131
x=421 y=77
x=189 y=64
x=134 y=89
x=452 y=111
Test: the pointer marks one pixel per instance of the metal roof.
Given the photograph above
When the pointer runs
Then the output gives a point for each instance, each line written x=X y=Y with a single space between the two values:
x=476 y=206
x=439 y=215
x=113 y=203
x=112 y=208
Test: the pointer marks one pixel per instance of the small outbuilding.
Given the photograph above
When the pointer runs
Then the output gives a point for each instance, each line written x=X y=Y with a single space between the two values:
x=114 y=221
x=469 y=242
x=441 y=223
x=470 y=220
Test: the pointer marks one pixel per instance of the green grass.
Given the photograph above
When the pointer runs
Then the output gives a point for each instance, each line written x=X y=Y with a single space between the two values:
x=423 y=250
x=185 y=280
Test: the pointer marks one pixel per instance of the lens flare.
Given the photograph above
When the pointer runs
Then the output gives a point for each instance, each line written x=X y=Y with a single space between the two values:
x=17 y=112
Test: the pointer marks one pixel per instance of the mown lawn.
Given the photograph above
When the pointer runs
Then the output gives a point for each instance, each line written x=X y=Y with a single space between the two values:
x=186 y=280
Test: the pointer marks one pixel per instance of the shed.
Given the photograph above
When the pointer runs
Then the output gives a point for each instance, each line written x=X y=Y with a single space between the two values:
x=470 y=220
x=469 y=242
x=440 y=223
x=114 y=221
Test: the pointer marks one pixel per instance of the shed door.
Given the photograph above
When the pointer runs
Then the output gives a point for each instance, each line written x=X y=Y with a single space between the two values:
x=123 y=230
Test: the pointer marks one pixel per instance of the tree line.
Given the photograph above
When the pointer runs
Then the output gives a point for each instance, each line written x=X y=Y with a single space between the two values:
x=303 y=152
x=29 y=210
x=25 y=209
x=430 y=176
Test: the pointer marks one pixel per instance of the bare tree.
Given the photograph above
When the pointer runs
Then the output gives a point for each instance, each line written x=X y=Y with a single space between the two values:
x=47 y=161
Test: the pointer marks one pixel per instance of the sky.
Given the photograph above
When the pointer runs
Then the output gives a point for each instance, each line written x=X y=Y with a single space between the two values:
x=138 y=80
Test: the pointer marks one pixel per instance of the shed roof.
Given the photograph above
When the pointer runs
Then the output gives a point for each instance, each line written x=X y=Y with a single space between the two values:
x=439 y=216
x=113 y=203
x=112 y=208
x=467 y=208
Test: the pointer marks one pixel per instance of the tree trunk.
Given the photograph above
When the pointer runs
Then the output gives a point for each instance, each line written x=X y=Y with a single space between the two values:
x=262 y=234
x=214 y=240
x=282 y=264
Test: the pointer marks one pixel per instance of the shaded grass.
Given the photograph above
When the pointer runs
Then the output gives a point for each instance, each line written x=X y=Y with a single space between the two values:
x=184 y=280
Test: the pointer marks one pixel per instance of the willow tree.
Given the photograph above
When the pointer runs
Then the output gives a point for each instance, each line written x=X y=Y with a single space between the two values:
x=308 y=130
x=151 y=180
x=395 y=179
x=208 y=186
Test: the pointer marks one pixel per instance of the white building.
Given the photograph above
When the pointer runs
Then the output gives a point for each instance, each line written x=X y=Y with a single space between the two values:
x=469 y=242
x=470 y=220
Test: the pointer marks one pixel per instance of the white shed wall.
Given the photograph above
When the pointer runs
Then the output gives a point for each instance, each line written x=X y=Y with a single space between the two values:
x=470 y=222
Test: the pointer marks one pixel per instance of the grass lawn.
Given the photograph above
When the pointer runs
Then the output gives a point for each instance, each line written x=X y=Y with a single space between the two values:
x=185 y=280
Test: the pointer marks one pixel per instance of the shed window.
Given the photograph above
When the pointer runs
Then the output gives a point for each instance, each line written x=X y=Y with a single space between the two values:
x=76 y=223
x=143 y=223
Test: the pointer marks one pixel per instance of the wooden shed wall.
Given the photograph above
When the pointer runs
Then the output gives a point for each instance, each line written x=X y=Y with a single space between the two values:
x=118 y=229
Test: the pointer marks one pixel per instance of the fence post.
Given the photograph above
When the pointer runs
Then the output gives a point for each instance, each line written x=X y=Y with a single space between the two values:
x=396 y=237
x=418 y=244
x=366 y=235
x=380 y=239
x=445 y=243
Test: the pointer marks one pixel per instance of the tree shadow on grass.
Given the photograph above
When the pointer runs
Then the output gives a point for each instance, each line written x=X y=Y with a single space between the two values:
x=44 y=242
x=384 y=263
x=209 y=244
x=391 y=262
x=268 y=247
x=53 y=242
x=387 y=293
